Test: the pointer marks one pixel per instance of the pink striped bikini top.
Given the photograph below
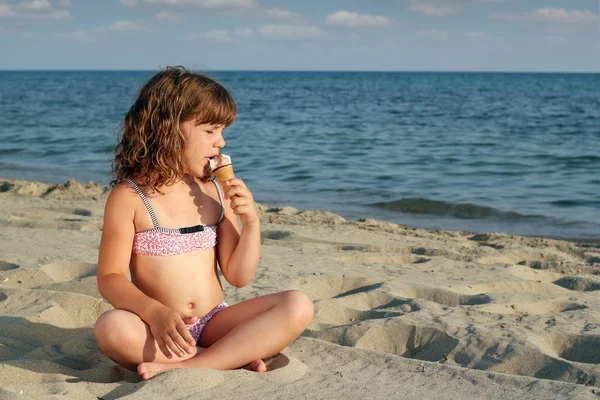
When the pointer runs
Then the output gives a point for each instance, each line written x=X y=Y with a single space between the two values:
x=169 y=242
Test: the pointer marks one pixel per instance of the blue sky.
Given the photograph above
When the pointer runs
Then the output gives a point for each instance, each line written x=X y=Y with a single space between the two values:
x=415 y=35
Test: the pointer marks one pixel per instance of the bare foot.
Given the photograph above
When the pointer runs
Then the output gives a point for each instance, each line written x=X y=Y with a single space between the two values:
x=148 y=369
x=256 y=366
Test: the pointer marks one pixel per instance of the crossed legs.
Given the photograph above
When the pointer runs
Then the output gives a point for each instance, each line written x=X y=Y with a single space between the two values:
x=242 y=334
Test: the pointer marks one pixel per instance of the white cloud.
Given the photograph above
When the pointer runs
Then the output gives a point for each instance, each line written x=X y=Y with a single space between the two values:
x=433 y=8
x=35 y=5
x=283 y=15
x=128 y=3
x=289 y=31
x=126 y=26
x=434 y=34
x=208 y=4
x=167 y=16
x=79 y=36
x=65 y=3
x=354 y=20
x=57 y=15
x=33 y=10
x=441 y=8
x=7 y=11
x=550 y=15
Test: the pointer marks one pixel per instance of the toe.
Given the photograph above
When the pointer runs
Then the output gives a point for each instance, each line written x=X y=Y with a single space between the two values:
x=257 y=366
x=261 y=367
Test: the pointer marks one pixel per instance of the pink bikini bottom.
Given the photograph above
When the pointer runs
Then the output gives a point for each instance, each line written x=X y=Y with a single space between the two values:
x=197 y=327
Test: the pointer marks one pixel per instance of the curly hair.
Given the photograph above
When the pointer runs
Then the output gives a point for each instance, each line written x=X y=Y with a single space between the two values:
x=151 y=144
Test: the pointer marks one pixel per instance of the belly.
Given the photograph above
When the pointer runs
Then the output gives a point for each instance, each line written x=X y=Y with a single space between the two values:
x=186 y=282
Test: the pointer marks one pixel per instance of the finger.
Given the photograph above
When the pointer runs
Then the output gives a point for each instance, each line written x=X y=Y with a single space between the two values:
x=172 y=346
x=184 y=339
x=231 y=192
x=163 y=347
x=186 y=347
x=235 y=182
x=180 y=352
x=238 y=192
x=241 y=210
x=239 y=201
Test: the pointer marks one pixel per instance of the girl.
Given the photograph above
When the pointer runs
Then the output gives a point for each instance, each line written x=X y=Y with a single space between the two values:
x=170 y=225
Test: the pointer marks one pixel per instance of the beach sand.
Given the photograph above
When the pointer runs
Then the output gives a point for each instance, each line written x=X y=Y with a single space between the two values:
x=399 y=312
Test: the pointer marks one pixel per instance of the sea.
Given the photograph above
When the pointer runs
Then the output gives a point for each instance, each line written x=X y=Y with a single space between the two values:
x=517 y=153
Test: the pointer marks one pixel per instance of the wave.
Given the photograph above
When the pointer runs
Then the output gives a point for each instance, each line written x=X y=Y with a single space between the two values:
x=464 y=210
x=575 y=203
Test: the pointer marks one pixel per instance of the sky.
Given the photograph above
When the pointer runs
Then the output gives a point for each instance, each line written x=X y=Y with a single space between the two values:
x=358 y=35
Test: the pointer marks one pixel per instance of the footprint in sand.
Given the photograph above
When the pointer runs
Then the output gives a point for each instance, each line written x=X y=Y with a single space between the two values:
x=391 y=336
x=82 y=212
x=579 y=283
x=63 y=271
x=576 y=347
x=283 y=368
x=356 y=312
x=276 y=235
x=6 y=266
x=446 y=297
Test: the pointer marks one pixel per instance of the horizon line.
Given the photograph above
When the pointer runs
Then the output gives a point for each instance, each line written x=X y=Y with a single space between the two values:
x=304 y=70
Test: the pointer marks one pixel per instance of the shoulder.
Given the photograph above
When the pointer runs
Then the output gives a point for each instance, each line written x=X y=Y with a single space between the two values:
x=122 y=199
x=122 y=191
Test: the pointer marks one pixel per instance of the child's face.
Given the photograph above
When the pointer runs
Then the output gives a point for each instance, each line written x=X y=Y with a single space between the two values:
x=202 y=142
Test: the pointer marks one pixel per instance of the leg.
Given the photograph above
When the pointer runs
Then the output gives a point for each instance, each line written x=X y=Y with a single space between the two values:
x=127 y=340
x=251 y=330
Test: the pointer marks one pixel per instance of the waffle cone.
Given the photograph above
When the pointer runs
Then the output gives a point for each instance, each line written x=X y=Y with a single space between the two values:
x=224 y=174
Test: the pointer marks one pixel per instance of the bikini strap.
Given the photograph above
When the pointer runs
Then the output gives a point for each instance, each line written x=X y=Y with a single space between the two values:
x=145 y=200
x=220 y=191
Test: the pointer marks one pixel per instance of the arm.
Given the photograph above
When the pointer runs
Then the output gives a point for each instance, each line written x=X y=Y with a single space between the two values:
x=115 y=254
x=167 y=325
x=238 y=251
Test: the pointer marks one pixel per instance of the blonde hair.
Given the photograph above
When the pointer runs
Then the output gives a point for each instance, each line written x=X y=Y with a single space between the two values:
x=151 y=144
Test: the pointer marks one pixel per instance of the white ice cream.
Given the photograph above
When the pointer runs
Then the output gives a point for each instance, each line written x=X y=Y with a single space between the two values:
x=220 y=161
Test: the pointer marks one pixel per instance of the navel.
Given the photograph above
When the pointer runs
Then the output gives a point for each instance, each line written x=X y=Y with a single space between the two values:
x=191 y=305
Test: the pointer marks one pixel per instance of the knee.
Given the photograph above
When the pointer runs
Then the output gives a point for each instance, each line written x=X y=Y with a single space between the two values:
x=109 y=332
x=300 y=309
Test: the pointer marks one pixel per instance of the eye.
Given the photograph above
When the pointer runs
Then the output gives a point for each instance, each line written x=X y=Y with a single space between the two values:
x=211 y=132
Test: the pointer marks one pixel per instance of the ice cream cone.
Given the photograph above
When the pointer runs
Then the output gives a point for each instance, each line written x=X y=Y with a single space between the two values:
x=223 y=174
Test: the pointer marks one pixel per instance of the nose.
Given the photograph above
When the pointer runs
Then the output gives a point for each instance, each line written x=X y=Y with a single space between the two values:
x=220 y=143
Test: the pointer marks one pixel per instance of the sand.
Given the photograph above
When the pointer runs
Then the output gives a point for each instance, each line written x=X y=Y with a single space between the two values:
x=400 y=312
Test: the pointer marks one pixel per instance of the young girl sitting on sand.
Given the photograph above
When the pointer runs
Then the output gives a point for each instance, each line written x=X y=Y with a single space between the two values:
x=170 y=224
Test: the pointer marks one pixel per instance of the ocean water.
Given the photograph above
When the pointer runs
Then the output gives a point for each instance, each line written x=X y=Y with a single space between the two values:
x=516 y=153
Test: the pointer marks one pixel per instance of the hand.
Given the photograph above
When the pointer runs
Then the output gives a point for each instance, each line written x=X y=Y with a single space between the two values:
x=241 y=201
x=169 y=331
